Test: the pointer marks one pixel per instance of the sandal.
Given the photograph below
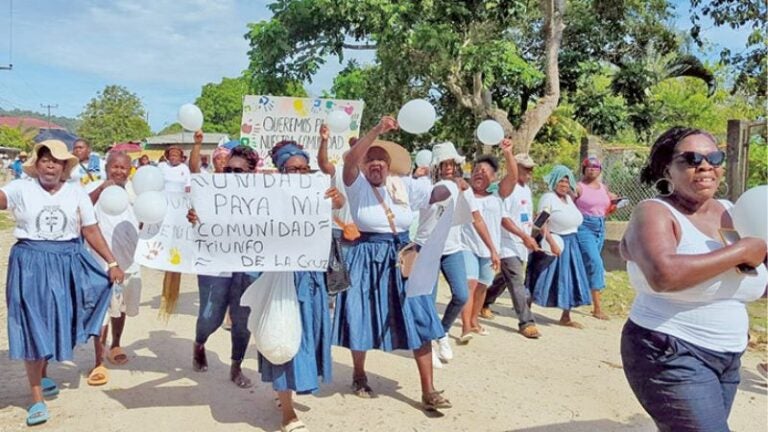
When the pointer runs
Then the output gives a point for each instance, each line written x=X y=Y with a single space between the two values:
x=482 y=331
x=199 y=361
x=37 y=413
x=237 y=377
x=98 y=376
x=434 y=401
x=49 y=386
x=117 y=356
x=294 y=426
x=465 y=338
x=361 y=389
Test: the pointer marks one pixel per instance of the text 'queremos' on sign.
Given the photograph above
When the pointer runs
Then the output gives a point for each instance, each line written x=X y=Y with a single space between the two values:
x=261 y=222
x=246 y=222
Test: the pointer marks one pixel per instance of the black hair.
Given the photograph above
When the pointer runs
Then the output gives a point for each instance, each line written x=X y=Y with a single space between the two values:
x=248 y=154
x=82 y=140
x=490 y=160
x=457 y=171
x=662 y=153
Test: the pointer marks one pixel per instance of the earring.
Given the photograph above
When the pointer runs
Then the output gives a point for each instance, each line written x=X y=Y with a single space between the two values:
x=727 y=189
x=670 y=187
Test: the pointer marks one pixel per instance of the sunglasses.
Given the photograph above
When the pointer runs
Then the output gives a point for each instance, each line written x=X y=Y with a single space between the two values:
x=230 y=170
x=694 y=159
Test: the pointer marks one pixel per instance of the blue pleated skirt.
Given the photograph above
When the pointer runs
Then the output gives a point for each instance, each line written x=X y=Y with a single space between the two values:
x=559 y=282
x=313 y=361
x=374 y=313
x=57 y=296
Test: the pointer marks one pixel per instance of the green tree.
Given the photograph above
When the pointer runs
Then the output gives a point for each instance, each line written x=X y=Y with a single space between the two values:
x=17 y=137
x=114 y=115
x=171 y=129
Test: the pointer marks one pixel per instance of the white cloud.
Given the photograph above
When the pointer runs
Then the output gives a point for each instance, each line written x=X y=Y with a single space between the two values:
x=177 y=43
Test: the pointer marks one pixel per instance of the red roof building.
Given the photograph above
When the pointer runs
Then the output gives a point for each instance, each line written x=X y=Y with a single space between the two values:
x=28 y=122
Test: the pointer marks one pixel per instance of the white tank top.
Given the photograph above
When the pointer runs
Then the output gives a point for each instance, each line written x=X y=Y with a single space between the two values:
x=711 y=314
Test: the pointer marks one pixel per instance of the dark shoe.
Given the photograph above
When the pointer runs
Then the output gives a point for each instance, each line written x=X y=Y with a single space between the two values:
x=434 y=401
x=237 y=377
x=199 y=361
x=361 y=389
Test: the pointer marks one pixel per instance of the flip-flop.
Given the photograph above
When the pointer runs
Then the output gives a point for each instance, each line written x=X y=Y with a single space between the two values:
x=117 y=356
x=37 y=413
x=295 y=426
x=49 y=386
x=465 y=338
x=98 y=376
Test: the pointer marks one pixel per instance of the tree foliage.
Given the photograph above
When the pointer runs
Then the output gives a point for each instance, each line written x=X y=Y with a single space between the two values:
x=17 y=137
x=114 y=115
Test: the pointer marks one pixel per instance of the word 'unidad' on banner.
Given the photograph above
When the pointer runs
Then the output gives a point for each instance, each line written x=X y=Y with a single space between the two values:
x=169 y=245
x=268 y=120
x=261 y=222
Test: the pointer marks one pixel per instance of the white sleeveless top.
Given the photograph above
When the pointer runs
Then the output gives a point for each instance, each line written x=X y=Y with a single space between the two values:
x=711 y=314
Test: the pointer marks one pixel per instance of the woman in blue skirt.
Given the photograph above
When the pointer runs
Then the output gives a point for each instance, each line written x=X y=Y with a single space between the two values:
x=57 y=294
x=375 y=313
x=302 y=374
x=558 y=279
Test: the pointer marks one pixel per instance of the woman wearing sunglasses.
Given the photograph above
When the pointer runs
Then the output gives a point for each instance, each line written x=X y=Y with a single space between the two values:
x=223 y=291
x=687 y=330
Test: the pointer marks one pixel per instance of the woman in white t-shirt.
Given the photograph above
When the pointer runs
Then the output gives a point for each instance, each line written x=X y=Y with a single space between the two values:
x=57 y=294
x=559 y=279
x=177 y=175
x=481 y=260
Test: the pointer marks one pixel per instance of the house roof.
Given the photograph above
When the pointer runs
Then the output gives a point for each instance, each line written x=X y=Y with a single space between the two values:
x=28 y=122
x=186 y=138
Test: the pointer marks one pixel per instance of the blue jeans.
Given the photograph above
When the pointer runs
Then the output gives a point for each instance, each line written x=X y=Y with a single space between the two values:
x=216 y=295
x=591 y=237
x=682 y=386
x=452 y=266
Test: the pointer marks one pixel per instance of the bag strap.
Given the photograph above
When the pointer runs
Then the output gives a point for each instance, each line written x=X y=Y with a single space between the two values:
x=387 y=210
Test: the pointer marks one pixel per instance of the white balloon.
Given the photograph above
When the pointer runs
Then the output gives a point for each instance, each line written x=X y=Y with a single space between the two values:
x=190 y=117
x=750 y=213
x=423 y=158
x=490 y=132
x=416 y=116
x=150 y=207
x=113 y=200
x=547 y=249
x=148 y=178
x=338 y=121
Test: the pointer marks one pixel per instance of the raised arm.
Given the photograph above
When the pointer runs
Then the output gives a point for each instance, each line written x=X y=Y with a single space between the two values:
x=356 y=154
x=322 y=153
x=651 y=242
x=194 y=157
x=507 y=184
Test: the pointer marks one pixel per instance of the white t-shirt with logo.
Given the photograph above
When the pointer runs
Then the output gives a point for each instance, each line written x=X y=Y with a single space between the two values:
x=177 y=178
x=490 y=208
x=42 y=216
x=429 y=216
x=518 y=207
x=564 y=218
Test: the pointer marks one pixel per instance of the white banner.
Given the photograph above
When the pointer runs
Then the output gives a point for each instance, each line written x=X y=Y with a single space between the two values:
x=268 y=120
x=261 y=222
x=169 y=245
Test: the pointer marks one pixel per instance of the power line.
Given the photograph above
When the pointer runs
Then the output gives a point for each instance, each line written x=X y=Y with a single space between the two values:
x=49 y=107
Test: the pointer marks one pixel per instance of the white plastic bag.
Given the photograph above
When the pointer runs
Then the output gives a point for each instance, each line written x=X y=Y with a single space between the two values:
x=274 y=321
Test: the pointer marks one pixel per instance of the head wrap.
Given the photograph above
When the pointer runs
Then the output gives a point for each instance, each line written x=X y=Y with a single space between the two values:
x=558 y=173
x=591 y=161
x=221 y=151
x=286 y=150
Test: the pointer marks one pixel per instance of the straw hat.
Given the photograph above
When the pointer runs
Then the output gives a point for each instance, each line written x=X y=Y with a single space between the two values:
x=444 y=151
x=58 y=150
x=400 y=159
x=525 y=160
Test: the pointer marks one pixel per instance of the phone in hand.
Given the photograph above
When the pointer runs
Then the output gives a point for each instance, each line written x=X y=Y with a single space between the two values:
x=620 y=202
x=541 y=219
x=729 y=237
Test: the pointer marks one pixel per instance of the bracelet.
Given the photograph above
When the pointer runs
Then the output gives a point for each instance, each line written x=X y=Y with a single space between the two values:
x=112 y=265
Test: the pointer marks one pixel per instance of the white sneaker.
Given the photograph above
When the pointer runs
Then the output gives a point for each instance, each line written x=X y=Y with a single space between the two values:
x=444 y=351
x=436 y=363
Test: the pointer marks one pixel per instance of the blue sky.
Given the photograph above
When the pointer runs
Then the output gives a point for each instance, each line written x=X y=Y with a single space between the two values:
x=65 y=51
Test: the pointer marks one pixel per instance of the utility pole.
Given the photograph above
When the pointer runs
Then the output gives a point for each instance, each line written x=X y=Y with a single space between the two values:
x=49 y=107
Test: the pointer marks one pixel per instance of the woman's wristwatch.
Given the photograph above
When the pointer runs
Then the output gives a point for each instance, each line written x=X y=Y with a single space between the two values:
x=112 y=265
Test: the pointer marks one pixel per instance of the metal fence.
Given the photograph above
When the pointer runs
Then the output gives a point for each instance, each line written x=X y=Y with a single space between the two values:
x=621 y=172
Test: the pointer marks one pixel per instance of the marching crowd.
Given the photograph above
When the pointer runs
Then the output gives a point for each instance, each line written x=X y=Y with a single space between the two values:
x=71 y=274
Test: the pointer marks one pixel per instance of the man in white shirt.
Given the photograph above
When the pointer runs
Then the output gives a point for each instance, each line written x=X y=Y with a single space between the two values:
x=516 y=244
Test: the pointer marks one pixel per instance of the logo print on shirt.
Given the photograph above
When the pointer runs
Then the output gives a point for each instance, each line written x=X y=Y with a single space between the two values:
x=51 y=223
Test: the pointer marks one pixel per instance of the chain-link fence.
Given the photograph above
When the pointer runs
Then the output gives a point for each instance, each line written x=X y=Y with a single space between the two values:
x=621 y=172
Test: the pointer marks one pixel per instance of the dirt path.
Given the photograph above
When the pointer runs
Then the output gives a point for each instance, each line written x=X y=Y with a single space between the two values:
x=569 y=380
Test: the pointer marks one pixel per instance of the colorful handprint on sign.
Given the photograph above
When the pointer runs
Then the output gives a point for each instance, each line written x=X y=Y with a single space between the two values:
x=265 y=104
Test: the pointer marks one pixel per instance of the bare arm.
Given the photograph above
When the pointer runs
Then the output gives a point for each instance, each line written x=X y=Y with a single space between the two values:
x=439 y=193
x=482 y=230
x=651 y=242
x=510 y=226
x=357 y=153
x=3 y=201
x=507 y=184
x=194 y=157
x=322 y=153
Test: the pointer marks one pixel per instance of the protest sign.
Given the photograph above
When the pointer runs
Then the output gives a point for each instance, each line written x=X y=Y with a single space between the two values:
x=261 y=222
x=268 y=120
x=169 y=245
